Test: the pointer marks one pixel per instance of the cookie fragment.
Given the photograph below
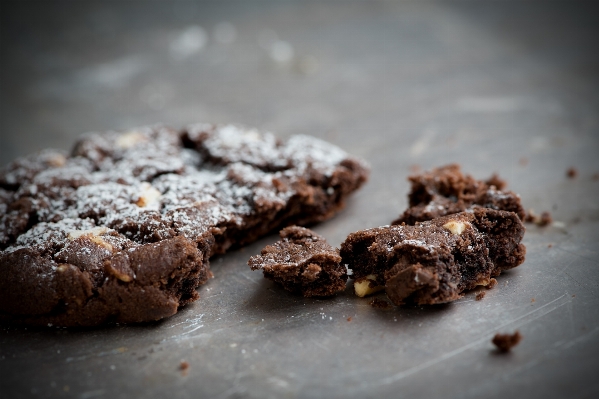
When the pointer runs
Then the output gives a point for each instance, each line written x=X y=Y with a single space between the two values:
x=505 y=342
x=435 y=261
x=302 y=262
x=446 y=190
x=542 y=220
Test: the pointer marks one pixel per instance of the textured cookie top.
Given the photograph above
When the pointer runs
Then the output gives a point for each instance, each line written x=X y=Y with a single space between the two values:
x=302 y=262
x=495 y=234
x=435 y=261
x=372 y=251
x=297 y=245
x=446 y=190
x=145 y=183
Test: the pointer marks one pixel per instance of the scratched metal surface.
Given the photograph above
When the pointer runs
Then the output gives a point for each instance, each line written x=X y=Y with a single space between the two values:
x=496 y=86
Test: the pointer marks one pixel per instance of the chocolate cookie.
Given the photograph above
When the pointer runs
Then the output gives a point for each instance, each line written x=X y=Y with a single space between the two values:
x=302 y=262
x=122 y=228
x=446 y=190
x=435 y=261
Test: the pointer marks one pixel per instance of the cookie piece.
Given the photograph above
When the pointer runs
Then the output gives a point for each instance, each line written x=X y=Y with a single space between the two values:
x=302 y=262
x=505 y=342
x=446 y=190
x=122 y=229
x=542 y=220
x=436 y=261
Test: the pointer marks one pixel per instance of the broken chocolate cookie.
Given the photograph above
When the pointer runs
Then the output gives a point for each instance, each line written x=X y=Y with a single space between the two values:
x=436 y=261
x=123 y=227
x=446 y=190
x=302 y=262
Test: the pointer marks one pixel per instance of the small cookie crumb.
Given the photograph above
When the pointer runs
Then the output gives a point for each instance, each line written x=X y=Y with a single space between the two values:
x=480 y=295
x=550 y=246
x=532 y=300
x=184 y=367
x=572 y=173
x=545 y=220
x=379 y=303
x=492 y=283
x=542 y=220
x=349 y=318
x=523 y=161
x=595 y=176
x=505 y=342
x=415 y=169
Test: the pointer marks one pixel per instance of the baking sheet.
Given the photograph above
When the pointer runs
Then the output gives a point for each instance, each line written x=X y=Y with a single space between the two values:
x=496 y=86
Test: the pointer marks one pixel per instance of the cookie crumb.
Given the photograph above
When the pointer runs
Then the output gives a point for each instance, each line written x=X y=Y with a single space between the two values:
x=505 y=342
x=523 y=161
x=184 y=367
x=480 y=295
x=572 y=173
x=492 y=283
x=545 y=220
x=542 y=220
x=379 y=303
x=415 y=168
x=596 y=176
x=349 y=318
x=532 y=300
x=550 y=246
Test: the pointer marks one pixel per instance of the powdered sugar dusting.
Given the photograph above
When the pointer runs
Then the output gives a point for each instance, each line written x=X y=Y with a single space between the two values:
x=307 y=151
x=146 y=186
x=50 y=233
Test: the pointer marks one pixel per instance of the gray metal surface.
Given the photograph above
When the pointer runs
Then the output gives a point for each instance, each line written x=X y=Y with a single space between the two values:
x=495 y=86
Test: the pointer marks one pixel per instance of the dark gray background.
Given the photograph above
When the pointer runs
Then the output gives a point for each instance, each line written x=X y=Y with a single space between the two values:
x=511 y=87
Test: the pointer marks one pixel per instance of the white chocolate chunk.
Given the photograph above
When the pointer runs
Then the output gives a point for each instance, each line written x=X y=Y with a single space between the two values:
x=93 y=235
x=121 y=276
x=96 y=231
x=129 y=139
x=456 y=227
x=98 y=240
x=57 y=160
x=485 y=281
x=148 y=195
x=363 y=288
x=62 y=268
